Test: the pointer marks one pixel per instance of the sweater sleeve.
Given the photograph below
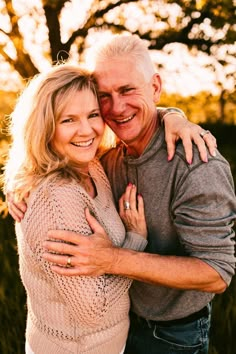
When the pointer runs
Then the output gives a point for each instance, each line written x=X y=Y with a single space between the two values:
x=204 y=210
x=134 y=241
x=87 y=298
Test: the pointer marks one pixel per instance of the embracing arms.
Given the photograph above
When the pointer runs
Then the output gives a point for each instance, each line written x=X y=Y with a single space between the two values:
x=176 y=127
x=203 y=214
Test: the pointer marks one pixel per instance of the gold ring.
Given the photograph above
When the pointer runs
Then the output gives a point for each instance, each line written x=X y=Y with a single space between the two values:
x=204 y=132
x=68 y=263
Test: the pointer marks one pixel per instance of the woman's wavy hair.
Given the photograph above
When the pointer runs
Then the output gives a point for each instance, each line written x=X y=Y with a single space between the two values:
x=32 y=127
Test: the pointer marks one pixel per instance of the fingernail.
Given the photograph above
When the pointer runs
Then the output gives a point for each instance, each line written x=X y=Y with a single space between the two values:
x=130 y=184
x=214 y=154
x=168 y=158
x=189 y=161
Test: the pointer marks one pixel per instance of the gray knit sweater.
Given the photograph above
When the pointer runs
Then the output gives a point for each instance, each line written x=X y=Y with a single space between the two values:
x=189 y=210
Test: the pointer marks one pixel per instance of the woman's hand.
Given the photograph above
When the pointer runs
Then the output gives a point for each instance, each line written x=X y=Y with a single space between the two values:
x=16 y=209
x=131 y=209
x=178 y=127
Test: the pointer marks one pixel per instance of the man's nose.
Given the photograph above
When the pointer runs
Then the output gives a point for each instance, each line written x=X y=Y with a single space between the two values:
x=118 y=105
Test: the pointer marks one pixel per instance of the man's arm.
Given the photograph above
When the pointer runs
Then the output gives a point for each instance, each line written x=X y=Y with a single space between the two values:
x=95 y=255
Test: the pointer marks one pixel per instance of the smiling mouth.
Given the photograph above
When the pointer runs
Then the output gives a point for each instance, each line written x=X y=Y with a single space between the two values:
x=125 y=120
x=83 y=143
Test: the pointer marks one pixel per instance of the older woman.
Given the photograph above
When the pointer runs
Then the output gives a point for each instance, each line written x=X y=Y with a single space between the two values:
x=57 y=129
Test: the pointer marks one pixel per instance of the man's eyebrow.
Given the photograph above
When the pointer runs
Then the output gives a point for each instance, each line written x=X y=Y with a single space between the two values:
x=125 y=86
x=120 y=88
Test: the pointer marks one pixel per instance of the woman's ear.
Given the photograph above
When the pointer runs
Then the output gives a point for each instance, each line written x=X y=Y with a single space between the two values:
x=156 y=84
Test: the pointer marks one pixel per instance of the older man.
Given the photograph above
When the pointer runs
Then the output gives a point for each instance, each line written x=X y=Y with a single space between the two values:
x=190 y=208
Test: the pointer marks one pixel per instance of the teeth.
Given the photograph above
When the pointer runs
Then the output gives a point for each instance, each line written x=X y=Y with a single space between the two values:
x=83 y=143
x=125 y=120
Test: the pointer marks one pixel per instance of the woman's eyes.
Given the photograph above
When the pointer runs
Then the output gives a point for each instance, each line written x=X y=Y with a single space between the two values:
x=94 y=115
x=71 y=120
x=66 y=120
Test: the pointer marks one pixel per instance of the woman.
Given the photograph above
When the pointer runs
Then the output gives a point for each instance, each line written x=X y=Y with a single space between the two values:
x=57 y=129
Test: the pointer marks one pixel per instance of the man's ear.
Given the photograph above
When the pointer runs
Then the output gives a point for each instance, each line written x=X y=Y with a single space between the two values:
x=156 y=84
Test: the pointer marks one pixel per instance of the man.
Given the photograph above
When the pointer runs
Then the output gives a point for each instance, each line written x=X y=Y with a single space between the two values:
x=190 y=207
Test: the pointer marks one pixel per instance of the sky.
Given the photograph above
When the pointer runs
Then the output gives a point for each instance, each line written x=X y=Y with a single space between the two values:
x=181 y=71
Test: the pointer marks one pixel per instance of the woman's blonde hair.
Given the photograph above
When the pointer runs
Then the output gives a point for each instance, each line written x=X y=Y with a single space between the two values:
x=32 y=127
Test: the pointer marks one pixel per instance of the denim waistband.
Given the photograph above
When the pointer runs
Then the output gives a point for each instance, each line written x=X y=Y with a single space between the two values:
x=204 y=312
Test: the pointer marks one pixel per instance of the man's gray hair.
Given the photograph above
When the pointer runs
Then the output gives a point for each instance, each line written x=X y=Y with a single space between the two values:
x=130 y=46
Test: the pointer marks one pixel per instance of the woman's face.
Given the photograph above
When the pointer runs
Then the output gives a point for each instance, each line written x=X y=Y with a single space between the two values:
x=79 y=129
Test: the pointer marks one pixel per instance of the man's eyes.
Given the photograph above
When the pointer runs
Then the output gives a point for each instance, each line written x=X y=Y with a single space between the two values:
x=122 y=91
x=127 y=89
x=102 y=95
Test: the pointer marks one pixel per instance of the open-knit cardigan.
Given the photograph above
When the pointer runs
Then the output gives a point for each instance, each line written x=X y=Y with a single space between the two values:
x=75 y=314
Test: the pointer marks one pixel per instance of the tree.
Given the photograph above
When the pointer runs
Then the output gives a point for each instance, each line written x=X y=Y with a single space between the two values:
x=201 y=25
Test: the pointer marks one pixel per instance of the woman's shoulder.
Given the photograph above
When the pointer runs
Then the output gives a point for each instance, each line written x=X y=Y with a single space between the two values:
x=52 y=188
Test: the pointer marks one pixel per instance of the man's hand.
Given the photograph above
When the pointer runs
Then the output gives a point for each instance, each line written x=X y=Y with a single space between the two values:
x=88 y=255
x=177 y=127
x=16 y=210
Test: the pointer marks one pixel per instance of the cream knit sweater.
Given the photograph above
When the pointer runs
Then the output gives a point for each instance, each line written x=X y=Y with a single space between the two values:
x=73 y=314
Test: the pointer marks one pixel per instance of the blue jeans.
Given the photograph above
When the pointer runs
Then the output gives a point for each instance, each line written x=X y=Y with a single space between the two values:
x=187 y=338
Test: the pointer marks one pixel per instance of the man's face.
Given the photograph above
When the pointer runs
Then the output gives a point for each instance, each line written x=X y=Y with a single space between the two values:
x=128 y=101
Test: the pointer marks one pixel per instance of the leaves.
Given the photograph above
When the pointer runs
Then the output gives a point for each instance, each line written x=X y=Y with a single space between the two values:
x=200 y=24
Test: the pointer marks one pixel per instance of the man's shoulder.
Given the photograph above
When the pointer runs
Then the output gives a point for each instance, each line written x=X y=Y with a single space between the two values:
x=219 y=159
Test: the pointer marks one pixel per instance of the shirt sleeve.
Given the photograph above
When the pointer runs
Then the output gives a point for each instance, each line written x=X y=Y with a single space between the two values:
x=204 y=210
x=134 y=241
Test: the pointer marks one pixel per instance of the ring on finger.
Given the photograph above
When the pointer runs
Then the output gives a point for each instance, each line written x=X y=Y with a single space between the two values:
x=204 y=132
x=68 y=263
x=126 y=205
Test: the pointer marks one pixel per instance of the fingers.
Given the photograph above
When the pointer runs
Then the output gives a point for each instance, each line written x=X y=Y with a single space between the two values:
x=16 y=210
x=69 y=272
x=58 y=259
x=132 y=197
x=128 y=197
x=60 y=247
x=211 y=143
x=188 y=148
x=178 y=128
x=67 y=236
x=205 y=141
x=171 y=145
x=78 y=265
x=199 y=141
x=131 y=208
x=141 y=205
x=93 y=223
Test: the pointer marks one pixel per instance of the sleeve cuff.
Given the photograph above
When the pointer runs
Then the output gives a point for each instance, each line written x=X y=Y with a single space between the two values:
x=164 y=111
x=134 y=241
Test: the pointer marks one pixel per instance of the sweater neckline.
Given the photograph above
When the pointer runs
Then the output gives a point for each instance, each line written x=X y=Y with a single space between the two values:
x=154 y=145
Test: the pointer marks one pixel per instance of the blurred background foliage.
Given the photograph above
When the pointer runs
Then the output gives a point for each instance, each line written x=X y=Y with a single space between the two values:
x=34 y=34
